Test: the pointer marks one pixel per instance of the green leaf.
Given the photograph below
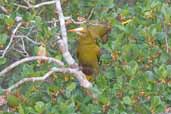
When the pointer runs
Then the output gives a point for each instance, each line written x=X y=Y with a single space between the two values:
x=127 y=100
x=133 y=67
x=71 y=86
x=168 y=68
x=155 y=101
x=39 y=106
x=150 y=75
x=2 y=60
x=59 y=57
x=3 y=39
x=155 y=4
x=162 y=71
x=123 y=113
x=9 y=21
x=20 y=109
x=122 y=28
x=30 y=110
x=12 y=100
x=101 y=82
x=164 y=58
x=103 y=99
x=27 y=69
x=1 y=91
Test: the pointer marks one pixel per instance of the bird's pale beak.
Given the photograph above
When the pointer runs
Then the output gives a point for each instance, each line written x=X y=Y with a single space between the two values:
x=79 y=30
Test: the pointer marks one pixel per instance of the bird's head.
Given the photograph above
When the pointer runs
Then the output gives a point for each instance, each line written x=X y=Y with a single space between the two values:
x=100 y=31
x=94 y=31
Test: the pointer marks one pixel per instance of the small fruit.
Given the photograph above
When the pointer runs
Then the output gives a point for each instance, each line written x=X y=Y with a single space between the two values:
x=41 y=52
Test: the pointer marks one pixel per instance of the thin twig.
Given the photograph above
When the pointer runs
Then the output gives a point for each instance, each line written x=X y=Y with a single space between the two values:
x=21 y=6
x=30 y=31
x=23 y=47
x=81 y=22
x=3 y=9
x=27 y=2
x=35 y=6
x=33 y=58
x=11 y=39
x=43 y=4
x=53 y=21
x=91 y=13
x=33 y=79
x=27 y=38
x=77 y=22
x=21 y=52
x=68 y=18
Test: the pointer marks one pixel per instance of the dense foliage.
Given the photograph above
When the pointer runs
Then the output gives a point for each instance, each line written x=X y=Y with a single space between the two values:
x=135 y=75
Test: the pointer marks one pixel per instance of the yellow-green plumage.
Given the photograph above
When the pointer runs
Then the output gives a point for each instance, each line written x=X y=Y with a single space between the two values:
x=99 y=31
x=88 y=52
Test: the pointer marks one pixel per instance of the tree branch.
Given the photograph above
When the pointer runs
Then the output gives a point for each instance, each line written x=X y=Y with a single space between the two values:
x=75 y=72
x=43 y=4
x=27 y=38
x=62 y=22
x=76 y=22
x=33 y=79
x=35 y=6
x=50 y=59
x=3 y=9
x=63 y=46
x=11 y=39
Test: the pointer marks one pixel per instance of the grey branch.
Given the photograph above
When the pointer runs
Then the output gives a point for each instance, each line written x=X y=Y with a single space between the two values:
x=75 y=73
x=63 y=43
x=50 y=59
x=11 y=39
x=43 y=4
x=62 y=22
x=35 y=6
x=33 y=79
x=76 y=22
x=27 y=38
x=63 y=46
x=3 y=9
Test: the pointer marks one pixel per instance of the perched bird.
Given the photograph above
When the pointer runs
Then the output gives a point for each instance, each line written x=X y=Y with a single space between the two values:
x=88 y=52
